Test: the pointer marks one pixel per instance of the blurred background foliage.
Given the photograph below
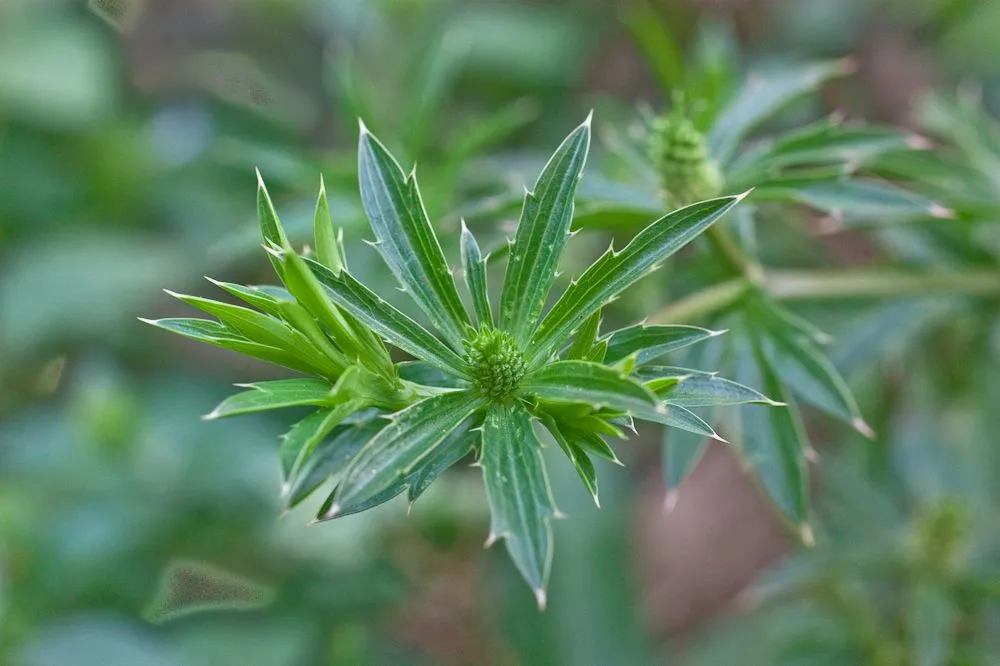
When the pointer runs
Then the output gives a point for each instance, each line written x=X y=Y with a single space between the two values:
x=132 y=532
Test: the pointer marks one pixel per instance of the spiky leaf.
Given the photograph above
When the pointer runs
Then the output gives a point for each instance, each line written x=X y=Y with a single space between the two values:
x=405 y=238
x=518 y=491
x=541 y=235
x=263 y=396
x=589 y=383
x=395 y=452
x=651 y=342
x=475 y=277
x=616 y=271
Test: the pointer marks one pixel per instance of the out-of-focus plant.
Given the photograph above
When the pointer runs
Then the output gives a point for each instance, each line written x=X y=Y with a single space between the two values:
x=484 y=380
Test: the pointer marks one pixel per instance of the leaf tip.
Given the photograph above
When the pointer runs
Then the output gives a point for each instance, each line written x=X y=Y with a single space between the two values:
x=715 y=334
x=211 y=416
x=862 y=426
x=670 y=501
x=541 y=598
x=492 y=539
x=589 y=120
x=362 y=128
x=807 y=536
x=151 y=322
x=941 y=212
x=260 y=180
x=331 y=512
x=740 y=197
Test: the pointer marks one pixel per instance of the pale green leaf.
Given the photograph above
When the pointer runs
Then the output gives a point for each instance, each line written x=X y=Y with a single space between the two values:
x=589 y=383
x=270 y=226
x=682 y=451
x=703 y=389
x=399 y=448
x=616 y=271
x=334 y=453
x=406 y=240
x=676 y=416
x=651 y=342
x=276 y=394
x=299 y=443
x=219 y=335
x=856 y=201
x=518 y=492
x=329 y=246
x=387 y=321
x=264 y=298
x=582 y=463
x=541 y=236
x=585 y=339
x=474 y=266
x=761 y=97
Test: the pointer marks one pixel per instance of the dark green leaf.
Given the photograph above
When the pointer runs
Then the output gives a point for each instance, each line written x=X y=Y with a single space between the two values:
x=265 y=299
x=406 y=240
x=541 y=235
x=387 y=321
x=299 y=443
x=475 y=277
x=585 y=339
x=399 y=448
x=589 y=383
x=421 y=372
x=270 y=227
x=582 y=463
x=651 y=342
x=616 y=271
x=518 y=491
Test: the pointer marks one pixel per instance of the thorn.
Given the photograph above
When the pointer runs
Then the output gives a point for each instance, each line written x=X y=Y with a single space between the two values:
x=492 y=539
x=717 y=437
x=465 y=229
x=941 y=212
x=861 y=426
x=775 y=403
x=713 y=334
x=260 y=179
x=670 y=501
x=362 y=128
x=807 y=536
x=590 y=119
x=212 y=415
x=174 y=294
x=741 y=197
x=540 y=598
x=151 y=322
x=597 y=501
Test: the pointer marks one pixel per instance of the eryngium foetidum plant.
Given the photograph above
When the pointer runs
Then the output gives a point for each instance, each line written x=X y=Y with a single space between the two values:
x=481 y=383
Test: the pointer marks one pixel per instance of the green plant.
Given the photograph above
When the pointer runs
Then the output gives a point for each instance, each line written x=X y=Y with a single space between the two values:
x=483 y=383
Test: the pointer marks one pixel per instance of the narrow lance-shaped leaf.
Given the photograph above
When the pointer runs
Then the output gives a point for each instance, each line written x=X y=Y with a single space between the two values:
x=590 y=383
x=651 y=342
x=774 y=441
x=412 y=435
x=676 y=416
x=270 y=226
x=220 y=335
x=541 y=235
x=275 y=394
x=387 y=321
x=615 y=271
x=761 y=97
x=263 y=329
x=582 y=463
x=518 y=492
x=334 y=453
x=474 y=266
x=405 y=238
x=453 y=448
x=810 y=373
x=264 y=298
x=328 y=243
x=585 y=339
x=703 y=389
x=299 y=443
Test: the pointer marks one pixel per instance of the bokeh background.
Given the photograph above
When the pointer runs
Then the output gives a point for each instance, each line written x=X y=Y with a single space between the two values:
x=132 y=532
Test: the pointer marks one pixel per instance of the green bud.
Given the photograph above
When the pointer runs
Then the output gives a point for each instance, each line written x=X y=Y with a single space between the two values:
x=495 y=363
x=679 y=151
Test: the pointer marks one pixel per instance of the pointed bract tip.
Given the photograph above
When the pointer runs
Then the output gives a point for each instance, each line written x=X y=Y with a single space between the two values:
x=491 y=539
x=322 y=184
x=597 y=501
x=717 y=437
x=362 y=128
x=670 y=501
x=941 y=212
x=332 y=511
x=151 y=322
x=714 y=334
x=260 y=179
x=465 y=227
x=211 y=416
x=175 y=294
x=589 y=120
x=541 y=598
x=862 y=426
x=744 y=195
x=807 y=536
x=775 y=403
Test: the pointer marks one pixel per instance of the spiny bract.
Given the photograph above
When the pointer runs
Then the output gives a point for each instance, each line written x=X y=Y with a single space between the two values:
x=481 y=379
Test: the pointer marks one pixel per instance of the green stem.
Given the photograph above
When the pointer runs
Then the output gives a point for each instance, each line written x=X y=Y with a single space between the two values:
x=825 y=284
